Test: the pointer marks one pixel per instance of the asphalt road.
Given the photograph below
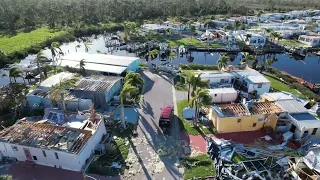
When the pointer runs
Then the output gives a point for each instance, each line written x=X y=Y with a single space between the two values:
x=154 y=153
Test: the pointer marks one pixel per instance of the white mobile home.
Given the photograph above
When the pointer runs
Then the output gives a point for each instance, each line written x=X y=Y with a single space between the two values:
x=313 y=41
x=53 y=145
x=217 y=78
x=298 y=120
x=223 y=95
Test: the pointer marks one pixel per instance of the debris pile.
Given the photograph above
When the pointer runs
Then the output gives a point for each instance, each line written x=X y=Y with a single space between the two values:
x=262 y=162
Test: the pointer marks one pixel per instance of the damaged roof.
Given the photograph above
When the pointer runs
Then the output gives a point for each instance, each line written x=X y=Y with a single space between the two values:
x=237 y=110
x=46 y=136
x=265 y=108
x=97 y=83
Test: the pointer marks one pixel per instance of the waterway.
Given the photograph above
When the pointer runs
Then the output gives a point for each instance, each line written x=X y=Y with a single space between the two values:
x=309 y=68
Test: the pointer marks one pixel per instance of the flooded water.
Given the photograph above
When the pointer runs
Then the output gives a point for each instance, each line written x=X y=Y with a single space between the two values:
x=309 y=68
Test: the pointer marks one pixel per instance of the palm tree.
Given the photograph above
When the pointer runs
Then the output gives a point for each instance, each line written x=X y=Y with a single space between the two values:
x=222 y=62
x=248 y=36
x=55 y=50
x=194 y=82
x=40 y=60
x=77 y=46
x=58 y=91
x=46 y=68
x=200 y=98
x=87 y=45
x=269 y=62
x=14 y=73
x=82 y=67
x=193 y=29
x=246 y=58
x=154 y=53
x=127 y=91
x=172 y=56
x=135 y=80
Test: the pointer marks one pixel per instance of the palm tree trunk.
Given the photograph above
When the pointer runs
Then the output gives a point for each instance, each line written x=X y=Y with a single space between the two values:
x=189 y=91
x=24 y=81
x=63 y=102
x=122 y=112
x=195 y=120
x=15 y=79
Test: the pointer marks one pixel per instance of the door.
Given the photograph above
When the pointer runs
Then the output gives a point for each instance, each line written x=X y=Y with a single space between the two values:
x=28 y=154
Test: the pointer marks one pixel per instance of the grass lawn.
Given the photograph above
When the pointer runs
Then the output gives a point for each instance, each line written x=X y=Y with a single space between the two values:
x=22 y=41
x=280 y=86
x=192 y=42
x=186 y=126
x=291 y=43
x=198 y=167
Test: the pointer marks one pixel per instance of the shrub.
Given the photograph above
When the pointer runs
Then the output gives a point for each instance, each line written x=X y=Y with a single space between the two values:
x=198 y=67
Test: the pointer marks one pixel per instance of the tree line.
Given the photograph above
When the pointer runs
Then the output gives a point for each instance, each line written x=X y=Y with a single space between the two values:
x=17 y=14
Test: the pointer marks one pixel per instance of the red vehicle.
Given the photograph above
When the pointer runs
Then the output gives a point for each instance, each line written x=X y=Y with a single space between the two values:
x=166 y=116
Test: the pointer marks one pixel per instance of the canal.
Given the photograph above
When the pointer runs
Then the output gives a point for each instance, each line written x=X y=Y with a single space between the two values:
x=308 y=69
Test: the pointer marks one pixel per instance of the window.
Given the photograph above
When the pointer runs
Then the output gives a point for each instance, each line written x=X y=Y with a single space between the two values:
x=35 y=158
x=15 y=148
x=44 y=153
x=254 y=125
x=259 y=85
x=239 y=120
x=56 y=154
x=222 y=81
x=314 y=131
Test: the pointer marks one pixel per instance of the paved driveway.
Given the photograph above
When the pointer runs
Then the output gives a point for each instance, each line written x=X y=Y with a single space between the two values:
x=154 y=155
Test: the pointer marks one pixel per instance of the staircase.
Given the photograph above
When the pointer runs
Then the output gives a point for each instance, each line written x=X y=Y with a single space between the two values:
x=29 y=164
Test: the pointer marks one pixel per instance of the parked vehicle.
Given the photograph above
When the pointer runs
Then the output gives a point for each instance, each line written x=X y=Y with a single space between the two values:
x=166 y=117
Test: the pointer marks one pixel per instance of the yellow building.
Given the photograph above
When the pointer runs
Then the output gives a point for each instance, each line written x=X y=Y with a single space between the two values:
x=240 y=117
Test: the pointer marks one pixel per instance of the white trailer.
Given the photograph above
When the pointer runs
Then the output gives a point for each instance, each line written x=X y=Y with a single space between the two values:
x=223 y=95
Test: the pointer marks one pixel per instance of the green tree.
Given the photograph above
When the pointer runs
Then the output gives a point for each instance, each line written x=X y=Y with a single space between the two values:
x=128 y=91
x=5 y=177
x=194 y=82
x=154 y=53
x=55 y=50
x=269 y=63
x=200 y=98
x=223 y=62
x=58 y=92
x=129 y=28
x=172 y=56
x=135 y=80
x=77 y=47
x=82 y=68
x=193 y=29
x=87 y=45
x=246 y=57
x=15 y=73
x=40 y=59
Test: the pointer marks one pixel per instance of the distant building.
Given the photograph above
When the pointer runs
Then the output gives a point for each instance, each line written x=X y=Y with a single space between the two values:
x=249 y=116
x=60 y=140
x=251 y=38
x=313 y=41
x=100 y=63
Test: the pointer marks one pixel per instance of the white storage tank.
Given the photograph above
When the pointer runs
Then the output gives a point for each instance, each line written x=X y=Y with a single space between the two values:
x=223 y=95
